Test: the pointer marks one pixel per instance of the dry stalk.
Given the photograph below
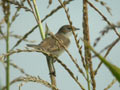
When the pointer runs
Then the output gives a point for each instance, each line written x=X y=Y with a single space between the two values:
x=74 y=61
x=105 y=5
x=70 y=72
x=19 y=5
x=2 y=34
x=47 y=16
x=108 y=51
x=46 y=53
x=75 y=36
x=19 y=37
x=14 y=65
x=19 y=68
x=25 y=50
x=104 y=18
x=50 y=2
x=16 y=12
x=20 y=85
x=111 y=84
x=88 y=58
x=103 y=32
x=110 y=45
x=56 y=9
x=70 y=22
x=31 y=79
x=24 y=37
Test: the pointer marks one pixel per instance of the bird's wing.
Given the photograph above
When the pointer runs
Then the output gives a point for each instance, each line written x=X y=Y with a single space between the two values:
x=50 y=45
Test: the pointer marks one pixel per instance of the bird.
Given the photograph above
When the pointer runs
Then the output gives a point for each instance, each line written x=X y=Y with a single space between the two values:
x=51 y=45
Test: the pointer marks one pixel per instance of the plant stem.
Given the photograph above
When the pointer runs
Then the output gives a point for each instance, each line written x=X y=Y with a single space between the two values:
x=8 y=58
x=39 y=20
x=87 y=38
x=51 y=71
x=50 y=64
x=88 y=79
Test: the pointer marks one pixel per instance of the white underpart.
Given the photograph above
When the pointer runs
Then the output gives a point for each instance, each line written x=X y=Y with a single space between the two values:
x=68 y=34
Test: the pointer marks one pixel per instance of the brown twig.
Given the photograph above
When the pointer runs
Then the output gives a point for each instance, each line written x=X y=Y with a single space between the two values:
x=2 y=34
x=19 y=5
x=17 y=10
x=56 y=9
x=30 y=31
x=88 y=58
x=25 y=50
x=19 y=68
x=2 y=21
x=108 y=51
x=19 y=37
x=24 y=37
x=70 y=22
x=104 y=18
x=74 y=61
x=31 y=79
x=111 y=84
x=75 y=36
x=104 y=4
x=70 y=72
x=46 y=53
x=14 y=65
x=103 y=32
x=110 y=45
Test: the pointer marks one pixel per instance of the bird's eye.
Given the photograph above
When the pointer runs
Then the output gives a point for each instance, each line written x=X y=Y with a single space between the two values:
x=69 y=28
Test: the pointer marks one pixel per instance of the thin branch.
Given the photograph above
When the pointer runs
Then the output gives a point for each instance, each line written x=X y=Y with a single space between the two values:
x=104 y=4
x=111 y=84
x=105 y=18
x=6 y=11
x=75 y=37
x=88 y=57
x=104 y=32
x=47 y=16
x=74 y=61
x=19 y=5
x=70 y=73
x=24 y=37
x=109 y=47
x=37 y=17
x=31 y=79
x=56 y=9
x=46 y=53
x=13 y=65
x=70 y=22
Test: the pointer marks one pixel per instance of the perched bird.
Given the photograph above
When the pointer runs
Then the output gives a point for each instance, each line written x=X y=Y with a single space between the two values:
x=51 y=45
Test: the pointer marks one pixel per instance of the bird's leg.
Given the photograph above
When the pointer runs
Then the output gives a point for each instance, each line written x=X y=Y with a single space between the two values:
x=51 y=66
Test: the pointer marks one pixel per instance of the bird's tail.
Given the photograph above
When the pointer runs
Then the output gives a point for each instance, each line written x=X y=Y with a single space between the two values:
x=32 y=45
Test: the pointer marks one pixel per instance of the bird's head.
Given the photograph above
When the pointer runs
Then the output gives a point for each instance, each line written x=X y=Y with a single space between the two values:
x=67 y=30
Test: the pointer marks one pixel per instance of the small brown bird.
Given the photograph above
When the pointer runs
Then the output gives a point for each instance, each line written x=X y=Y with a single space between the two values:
x=51 y=45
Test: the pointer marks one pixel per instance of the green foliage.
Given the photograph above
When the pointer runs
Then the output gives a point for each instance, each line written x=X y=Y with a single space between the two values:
x=113 y=69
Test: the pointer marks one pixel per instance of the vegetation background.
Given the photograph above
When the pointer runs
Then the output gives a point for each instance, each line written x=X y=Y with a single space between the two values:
x=28 y=69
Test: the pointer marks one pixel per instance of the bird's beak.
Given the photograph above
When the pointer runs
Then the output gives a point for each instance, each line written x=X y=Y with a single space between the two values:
x=77 y=29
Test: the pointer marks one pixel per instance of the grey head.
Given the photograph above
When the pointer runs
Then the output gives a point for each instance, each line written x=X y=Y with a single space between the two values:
x=67 y=28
